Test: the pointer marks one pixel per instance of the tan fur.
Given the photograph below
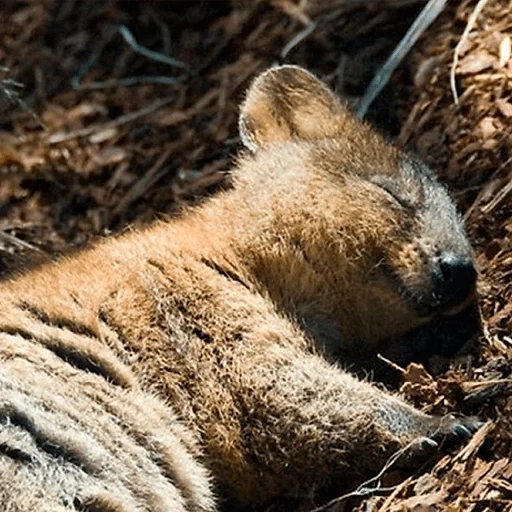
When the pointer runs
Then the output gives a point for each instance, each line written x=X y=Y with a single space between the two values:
x=202 y=346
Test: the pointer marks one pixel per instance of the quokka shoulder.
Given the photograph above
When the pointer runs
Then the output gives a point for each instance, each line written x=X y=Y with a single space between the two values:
x=203 y=356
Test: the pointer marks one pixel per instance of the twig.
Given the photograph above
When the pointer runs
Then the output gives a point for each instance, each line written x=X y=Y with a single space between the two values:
x=142 y=185
x=428 y=14
x=390 y=499
x=14 y=240
x=471 y=23
x=324 y=18
x=130 y=82
x=127 y=118
x=164 y=29
x=149 y=54
x=364 y=489
x=486 y=383
x=485 y=190
x=475 y=443
x=391 y=364
x=10 y=90
x=497 y=199
x=298 y=38
x=108 y=34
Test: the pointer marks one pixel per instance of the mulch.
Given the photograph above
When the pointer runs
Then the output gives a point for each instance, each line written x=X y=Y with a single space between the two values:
x=98 y=133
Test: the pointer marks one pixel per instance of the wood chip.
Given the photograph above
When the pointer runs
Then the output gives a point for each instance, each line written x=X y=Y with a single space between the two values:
x=505 y=107
x=505 y=51
x=476 y=62
x=475 y=443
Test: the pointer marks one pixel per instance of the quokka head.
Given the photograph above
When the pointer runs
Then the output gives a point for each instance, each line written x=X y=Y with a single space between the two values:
x=363 y=240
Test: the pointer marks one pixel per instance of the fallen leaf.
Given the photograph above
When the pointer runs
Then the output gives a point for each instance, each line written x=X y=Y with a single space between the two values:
x=476 y=62
x=416 y=374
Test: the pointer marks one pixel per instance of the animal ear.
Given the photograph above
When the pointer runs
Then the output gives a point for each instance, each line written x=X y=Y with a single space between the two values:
x=284 y=103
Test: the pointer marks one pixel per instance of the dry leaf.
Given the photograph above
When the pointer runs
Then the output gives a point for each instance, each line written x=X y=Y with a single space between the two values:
x=416 y=374
x=476 y=62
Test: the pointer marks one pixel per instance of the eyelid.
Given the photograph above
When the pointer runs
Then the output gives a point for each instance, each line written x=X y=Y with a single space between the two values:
x=400 y=200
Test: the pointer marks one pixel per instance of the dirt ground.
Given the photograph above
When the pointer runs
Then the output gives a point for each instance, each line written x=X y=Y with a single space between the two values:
x=114 y=113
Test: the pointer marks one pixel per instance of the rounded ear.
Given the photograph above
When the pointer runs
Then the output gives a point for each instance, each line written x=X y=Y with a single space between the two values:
x=287 y=102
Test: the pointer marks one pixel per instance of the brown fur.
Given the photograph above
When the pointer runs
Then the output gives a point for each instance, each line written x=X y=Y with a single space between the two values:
x=205 y=345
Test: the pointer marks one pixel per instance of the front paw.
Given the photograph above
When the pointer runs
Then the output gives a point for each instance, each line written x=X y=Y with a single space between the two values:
x=434 y=433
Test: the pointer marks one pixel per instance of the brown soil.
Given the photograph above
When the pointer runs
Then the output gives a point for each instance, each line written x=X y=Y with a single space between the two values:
x=98 y=138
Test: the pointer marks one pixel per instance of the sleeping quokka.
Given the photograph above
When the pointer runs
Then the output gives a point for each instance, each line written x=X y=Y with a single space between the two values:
x=195 y=358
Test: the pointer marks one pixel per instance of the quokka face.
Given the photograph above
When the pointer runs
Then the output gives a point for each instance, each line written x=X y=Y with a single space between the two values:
x=402 y=253
x=430 y=263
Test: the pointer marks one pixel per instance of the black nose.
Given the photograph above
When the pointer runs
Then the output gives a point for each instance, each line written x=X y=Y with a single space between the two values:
x=457 y=279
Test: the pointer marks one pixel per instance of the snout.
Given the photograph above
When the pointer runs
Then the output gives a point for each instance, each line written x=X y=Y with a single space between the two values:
x=454 y=282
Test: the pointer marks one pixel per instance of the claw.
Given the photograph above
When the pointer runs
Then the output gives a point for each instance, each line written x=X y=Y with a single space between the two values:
x=427 y=444
x=461 y=431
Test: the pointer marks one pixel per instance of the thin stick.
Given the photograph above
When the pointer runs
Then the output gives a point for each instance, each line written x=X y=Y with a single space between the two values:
x=99 y=47
x=10 y=90
x=130 y=82
x=146 y=52
x=497 y=199
x=14 y=240
x=141 y=186
x=389 y=500
x=484 y=191
x=429 y=13
x=329 y=16
x=471 y=22
x=127 y=118
x=364 y=489
x=391 y=363
x=298 y=38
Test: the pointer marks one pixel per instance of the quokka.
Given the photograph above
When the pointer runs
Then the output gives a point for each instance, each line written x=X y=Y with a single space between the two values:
x=203 y=356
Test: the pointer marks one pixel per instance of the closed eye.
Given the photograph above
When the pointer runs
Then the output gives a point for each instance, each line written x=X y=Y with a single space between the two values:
x=404 y=203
